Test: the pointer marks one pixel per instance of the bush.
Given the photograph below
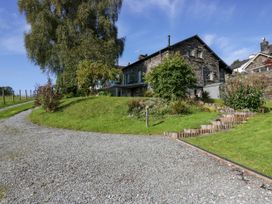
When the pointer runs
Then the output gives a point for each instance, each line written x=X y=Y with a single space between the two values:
x=148 y=93
x=104 y=93
x=136 y=107
x=206 y=97
x=245 y=92
x=47 y=97
x=180 y=107
x=172 y=78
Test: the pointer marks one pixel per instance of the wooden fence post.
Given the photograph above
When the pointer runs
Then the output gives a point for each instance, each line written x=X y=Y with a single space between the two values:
x=3 y=95
x=13 y=100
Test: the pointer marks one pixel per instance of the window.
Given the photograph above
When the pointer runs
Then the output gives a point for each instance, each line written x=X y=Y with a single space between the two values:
x=211 y=76
x=192 y=53
x=200 y=54
x=140 y=77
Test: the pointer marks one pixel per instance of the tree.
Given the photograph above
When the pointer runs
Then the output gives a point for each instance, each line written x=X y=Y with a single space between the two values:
x=92 y=74
x=8 y=91
x=65 y=32
x=172 y=78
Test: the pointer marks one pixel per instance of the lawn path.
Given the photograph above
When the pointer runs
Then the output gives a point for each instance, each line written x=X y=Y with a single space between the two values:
x=46 y=165
x=13 y=106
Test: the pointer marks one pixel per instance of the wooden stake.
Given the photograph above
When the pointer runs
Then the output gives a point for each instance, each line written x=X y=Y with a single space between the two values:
x=3 y=95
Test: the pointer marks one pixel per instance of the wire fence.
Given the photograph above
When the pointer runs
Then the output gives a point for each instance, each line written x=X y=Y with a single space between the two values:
x=16 y=97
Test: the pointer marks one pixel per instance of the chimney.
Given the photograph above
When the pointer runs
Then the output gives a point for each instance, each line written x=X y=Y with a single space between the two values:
x=169 y=40
x=141 y=57
x=264 y=45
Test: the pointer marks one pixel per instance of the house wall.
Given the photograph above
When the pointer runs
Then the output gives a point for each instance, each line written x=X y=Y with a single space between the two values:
x=258 y=63
x=203 y=62
x=201 y=66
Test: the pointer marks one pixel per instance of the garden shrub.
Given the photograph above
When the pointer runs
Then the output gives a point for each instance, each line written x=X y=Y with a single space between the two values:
x=245 y=92
x=171 y=79
x=148 y=93
x=206 y=97
x=180 y=107
x=48 y=97
x=136 y=107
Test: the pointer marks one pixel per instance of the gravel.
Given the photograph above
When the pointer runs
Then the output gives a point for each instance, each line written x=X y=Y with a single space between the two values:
x=44 y=165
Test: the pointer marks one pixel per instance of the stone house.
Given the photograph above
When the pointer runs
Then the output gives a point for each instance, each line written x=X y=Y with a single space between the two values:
x=210 y=69
x=256 y=62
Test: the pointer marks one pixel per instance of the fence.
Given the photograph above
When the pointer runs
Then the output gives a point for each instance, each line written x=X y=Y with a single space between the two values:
x=20 y=96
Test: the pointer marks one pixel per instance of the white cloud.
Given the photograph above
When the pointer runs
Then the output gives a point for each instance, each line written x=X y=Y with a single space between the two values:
x=229 y=49
x=12 y=44
x=12 y=29
x=170 y=7
x=209 y=39
x=207 y=10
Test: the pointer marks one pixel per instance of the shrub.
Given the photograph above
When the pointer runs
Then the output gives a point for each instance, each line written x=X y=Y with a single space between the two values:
x=148 y=93
x=136 y=107
x=172 y=78
x=245 y=92
x=180 y=107
x=206 y=97
x=47 y=97
x=104 y=93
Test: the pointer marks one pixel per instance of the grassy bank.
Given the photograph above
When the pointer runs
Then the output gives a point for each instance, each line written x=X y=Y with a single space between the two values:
x=109 y=115
x=249 y=144
x=13 y=111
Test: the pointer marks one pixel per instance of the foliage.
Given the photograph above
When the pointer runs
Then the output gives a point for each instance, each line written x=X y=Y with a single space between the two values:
x=8 y=91
x=245 y=91
x=104 y=93
x=148 y=93
x=48 y=97
x=248 y=144
x=91 y=75
x=159 y=107
x=180 y=107
x=206 y=97
x=109 y=115
x=172 y=78
x=65 y=32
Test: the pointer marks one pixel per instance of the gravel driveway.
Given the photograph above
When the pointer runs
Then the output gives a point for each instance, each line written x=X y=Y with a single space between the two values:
x=43 y=165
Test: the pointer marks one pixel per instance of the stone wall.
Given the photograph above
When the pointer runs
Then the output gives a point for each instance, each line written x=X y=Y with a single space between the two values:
x=203 y=65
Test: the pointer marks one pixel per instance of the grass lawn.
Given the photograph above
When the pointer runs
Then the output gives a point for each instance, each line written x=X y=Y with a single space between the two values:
x=13 y=111
x=249 y=144
x=9 y=101
x=109 y=115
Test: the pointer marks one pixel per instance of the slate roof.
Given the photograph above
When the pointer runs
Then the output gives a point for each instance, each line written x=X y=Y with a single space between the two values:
x=223 y=64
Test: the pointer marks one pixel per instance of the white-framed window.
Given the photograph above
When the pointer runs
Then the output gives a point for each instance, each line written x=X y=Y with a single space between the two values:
x=200 y=54
x=193 y=53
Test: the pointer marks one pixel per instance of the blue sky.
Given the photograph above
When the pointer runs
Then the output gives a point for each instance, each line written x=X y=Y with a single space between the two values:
x=232 y=28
